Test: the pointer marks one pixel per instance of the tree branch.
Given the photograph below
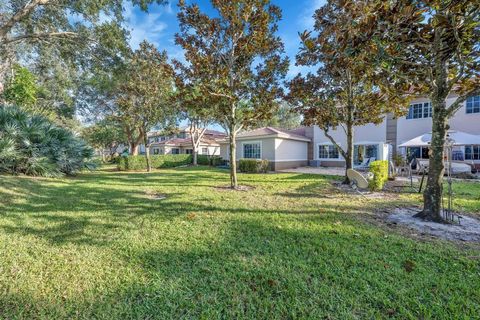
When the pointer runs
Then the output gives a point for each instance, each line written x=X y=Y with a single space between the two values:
x=457 y=104
x=40 y=36
x=343 y=152
x=19 y=15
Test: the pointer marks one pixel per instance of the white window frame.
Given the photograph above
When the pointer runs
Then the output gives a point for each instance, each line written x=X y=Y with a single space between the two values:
x=423 y=110
x=252 y=142
x=471 y=113
x=328 y=144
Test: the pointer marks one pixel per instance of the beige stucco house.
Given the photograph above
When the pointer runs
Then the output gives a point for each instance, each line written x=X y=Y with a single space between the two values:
x=393 y=135
x=282 y=148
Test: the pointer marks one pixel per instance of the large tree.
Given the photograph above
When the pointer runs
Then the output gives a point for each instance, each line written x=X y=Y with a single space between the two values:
x=106 y=136
x=286 y=117
x=344 y=91
x=435 y=45
x=238 y=59
x=56 y=38
x=145 y=96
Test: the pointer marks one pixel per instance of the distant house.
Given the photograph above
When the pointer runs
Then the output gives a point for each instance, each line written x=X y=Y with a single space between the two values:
x=181 y=143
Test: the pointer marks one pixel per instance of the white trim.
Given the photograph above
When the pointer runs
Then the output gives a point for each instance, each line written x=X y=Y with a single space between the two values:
x=252 y=142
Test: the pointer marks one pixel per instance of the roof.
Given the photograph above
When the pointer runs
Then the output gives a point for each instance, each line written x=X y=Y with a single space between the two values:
x=267 y=132
x=209 y=132
x=459 y=139
x=187 y=142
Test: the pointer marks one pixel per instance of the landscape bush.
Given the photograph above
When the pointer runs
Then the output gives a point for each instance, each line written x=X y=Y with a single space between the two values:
x=158 y=161
x=379 y=169
x=253 y=166
x=209 y=160
x=31 y=144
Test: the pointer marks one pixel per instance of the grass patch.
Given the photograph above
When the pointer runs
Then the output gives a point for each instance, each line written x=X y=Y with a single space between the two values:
x=96 y=246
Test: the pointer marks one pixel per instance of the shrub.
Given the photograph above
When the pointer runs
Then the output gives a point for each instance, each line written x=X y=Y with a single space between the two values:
x=158 y=161
x=380 y=174
x=31 y=144
x=209 y=160
x=253 y=166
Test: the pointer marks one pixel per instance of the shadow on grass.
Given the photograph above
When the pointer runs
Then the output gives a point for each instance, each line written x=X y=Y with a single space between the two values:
x=313 y=268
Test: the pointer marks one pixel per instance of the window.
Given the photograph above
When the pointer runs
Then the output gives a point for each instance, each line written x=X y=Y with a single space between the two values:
x=252 y=151
x=472 y=152
x=328 y=152
x=175 y=151
x=156 y=151
x=204 y=150
x=417 y=152
x=363 y=152
x=473 y=104
x=420 y=110
x=188 y=151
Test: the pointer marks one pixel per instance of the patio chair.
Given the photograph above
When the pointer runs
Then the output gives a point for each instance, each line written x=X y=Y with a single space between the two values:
x=365 y=164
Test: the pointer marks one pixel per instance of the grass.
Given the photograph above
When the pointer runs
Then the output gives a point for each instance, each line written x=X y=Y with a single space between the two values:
x=100 y=246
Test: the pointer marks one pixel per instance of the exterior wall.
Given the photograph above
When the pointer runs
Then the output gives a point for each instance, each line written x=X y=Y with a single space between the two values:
x=410 y=128
x=267 y=147
x=290 y=150
x=367 y=134
x=281 y=153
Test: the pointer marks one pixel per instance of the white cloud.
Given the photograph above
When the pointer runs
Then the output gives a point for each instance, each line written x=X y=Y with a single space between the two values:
x=306 y=20
x=143 y=26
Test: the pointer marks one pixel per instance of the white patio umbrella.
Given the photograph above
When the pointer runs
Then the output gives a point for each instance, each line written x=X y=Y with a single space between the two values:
x=460 y=139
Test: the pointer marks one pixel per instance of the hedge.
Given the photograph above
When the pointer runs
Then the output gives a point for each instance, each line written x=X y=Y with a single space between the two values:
x=158 y=161
x=253 y=166
x=209 y=160
x=380 y=174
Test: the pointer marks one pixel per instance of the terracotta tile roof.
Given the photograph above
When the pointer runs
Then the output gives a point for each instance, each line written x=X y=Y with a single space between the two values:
x=186 y=142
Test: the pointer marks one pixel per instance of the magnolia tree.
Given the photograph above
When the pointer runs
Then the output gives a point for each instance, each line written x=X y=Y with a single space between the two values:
x=238 y=61
x=435 y=46
x=193 y=105
x=344 y=91
x=145 y=95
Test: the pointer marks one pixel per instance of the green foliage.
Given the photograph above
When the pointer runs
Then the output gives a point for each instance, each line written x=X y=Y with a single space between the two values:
x=105 y=135
x=157 y=161
x=286 y=117
x=21 y=89
x=209 y=160
x=379 y=169
x=253 y=166
x=33 y=145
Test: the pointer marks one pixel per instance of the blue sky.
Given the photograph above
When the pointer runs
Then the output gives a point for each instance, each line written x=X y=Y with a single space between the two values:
x=160 y=24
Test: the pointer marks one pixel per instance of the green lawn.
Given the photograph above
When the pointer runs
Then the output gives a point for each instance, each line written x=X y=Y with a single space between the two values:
x=99 y=246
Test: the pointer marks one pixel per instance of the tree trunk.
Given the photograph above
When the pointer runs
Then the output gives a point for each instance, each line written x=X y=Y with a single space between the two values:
x=147 y=153
x=233 y=159
x=103 y=156
x=195 y=157
x=432 y=196
x=349 y=159
x=133 y=148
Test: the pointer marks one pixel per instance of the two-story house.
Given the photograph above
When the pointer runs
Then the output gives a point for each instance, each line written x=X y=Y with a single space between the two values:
x=406 y=135
x=181 y=143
